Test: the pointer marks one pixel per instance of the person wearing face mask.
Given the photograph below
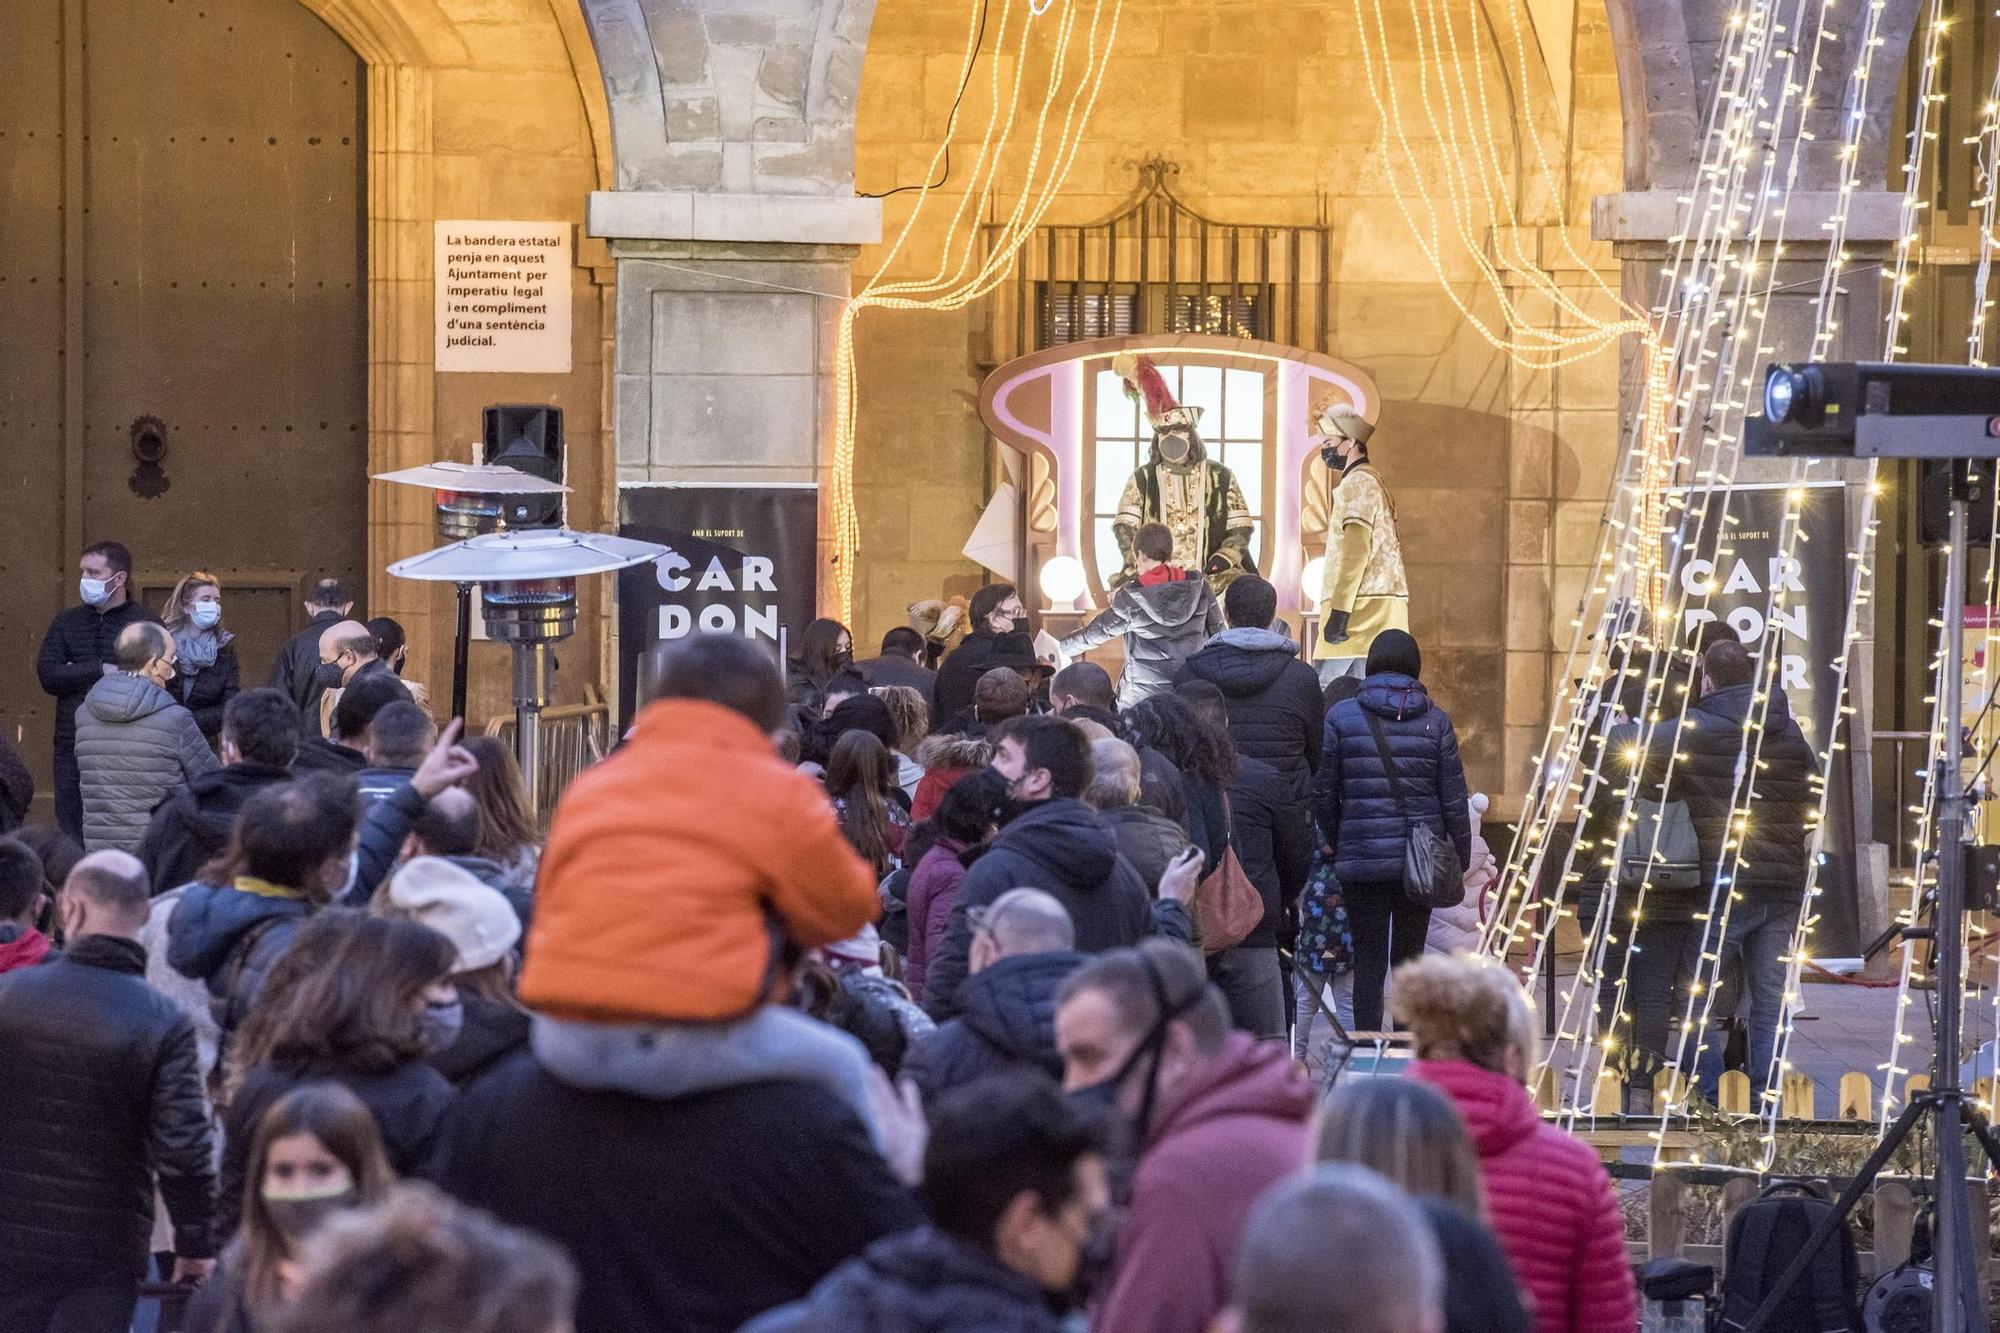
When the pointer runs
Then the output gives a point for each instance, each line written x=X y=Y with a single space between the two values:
x=362 y=1001
x=317 y=1153
x=205 y=652
x=1364 y=590
x=78 y=650
x=1215 y=1119
x=292 y=669
x=347 y=655
x=135 y=745
x=102 y=1095
x=1020 y=1223
x=286 y=857
x=483 y=930
x=826 y=650
x=999 y=638
x=1180 y=486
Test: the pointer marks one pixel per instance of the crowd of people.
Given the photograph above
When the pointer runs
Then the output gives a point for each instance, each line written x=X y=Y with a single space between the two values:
x=837 y=996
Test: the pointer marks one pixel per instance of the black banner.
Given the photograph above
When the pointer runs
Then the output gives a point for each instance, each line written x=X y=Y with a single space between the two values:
x=1735 y=557
x=744 y=560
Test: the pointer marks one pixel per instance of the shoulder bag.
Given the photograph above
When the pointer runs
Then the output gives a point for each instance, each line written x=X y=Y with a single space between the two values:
x=1227 y=906
x=1432 y=874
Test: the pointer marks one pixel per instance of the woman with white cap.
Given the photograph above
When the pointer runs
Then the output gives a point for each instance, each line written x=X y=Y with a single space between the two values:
x=483 y=930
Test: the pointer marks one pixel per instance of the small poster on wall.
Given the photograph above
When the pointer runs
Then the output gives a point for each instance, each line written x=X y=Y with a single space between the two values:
x=744 y=560
x=503 y=298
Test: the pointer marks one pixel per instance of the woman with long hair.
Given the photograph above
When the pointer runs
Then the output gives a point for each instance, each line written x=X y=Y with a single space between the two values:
x=967 y=817
x=1408 y=1131
x=364 y=1002
x=1206 y=758
x=860 y=777
x=509 y=834
x=912 y=719
x=317 y=1152
x=825 y=649
x=206 y=674
x=1551 y=1204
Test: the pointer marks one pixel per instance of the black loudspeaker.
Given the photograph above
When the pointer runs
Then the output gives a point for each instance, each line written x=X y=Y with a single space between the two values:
x=1934 y=503
x=528 y=436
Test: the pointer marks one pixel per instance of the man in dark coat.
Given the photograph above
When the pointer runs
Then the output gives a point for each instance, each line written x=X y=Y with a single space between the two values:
x=1354 y=799
x=1022 y=948
x=348 y=656
x=902 y=663
x=1273 y=699
x=999 y=638
x=1769 y=870
x=260 y=736
x=1056 y=844
x=1014 y=1182
x=343 y=751
x=103 y=1094
x=693 y=1213
x=79 y=649
x=295 y=670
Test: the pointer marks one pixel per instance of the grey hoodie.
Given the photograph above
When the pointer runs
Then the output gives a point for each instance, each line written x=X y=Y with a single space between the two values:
x=1164 y=625
x=134 y=748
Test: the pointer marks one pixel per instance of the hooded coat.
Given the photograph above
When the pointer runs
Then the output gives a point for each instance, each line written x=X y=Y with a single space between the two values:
x=229 y=937
x=1009 y=1021
x=1551 y=1203
x=191 y=827
x=1709 y=738
x=1352 y=796
x=134 y=746
x=1164 y=625
x=1059 y=846
x=1237 y=1131
x=1275 y=708
x=921 y=1281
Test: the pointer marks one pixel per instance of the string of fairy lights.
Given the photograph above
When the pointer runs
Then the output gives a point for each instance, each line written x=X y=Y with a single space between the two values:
x=1031 y=52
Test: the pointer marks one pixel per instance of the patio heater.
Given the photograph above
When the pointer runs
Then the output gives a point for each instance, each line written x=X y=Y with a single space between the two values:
x=527 y=584
x=470 y=501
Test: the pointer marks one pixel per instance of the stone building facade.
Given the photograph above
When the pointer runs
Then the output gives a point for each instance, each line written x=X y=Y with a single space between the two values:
x=722 y=161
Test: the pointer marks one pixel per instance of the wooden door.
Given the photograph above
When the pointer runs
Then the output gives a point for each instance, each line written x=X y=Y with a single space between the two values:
x=181 y=192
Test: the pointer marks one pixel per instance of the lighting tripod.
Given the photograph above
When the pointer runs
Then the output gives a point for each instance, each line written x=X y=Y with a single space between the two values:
x=1960 y=1303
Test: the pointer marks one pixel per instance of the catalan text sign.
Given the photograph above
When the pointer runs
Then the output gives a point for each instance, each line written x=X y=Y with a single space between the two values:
x=503 y=299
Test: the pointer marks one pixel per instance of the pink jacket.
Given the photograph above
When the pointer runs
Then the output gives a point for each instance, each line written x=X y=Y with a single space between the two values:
x=1553 y=1207
x=933 y=893
x=1209 y=1156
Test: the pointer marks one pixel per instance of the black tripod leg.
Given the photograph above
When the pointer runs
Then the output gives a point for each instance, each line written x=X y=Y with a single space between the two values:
x=1863 y=1178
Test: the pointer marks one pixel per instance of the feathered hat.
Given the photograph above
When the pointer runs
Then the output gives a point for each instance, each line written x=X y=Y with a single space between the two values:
x=1334 y=415
x=1145 y=386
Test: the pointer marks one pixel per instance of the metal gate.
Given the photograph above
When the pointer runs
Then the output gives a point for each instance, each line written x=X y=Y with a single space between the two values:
x=182 y=319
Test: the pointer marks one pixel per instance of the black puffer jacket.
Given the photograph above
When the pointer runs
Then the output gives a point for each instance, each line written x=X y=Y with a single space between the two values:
x=1164 y=625
x=102 y=1090
x=1709 y=739
x=1061 y=847
x=1273 y=698
x=1009 y=1020
x=921 y=1281
x=1273 y=838
x=958 y=675
x=191 y=827
x=78 y=643
x=1352 y=797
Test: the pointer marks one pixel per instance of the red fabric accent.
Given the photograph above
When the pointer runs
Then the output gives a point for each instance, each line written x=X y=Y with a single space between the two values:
x=26 y=950
x=1159 y=574
x=1150 y=388
x=1553 y=1207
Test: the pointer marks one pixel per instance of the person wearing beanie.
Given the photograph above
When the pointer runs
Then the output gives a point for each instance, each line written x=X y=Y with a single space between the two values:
x=1389 y=739
x=1364 y=590
x=483 y=929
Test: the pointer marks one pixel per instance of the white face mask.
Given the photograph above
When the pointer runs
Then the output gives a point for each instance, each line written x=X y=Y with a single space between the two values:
x=95 y=592
x=205 y=615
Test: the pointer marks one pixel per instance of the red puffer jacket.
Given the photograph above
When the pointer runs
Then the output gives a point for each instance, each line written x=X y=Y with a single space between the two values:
x=1552 y=1204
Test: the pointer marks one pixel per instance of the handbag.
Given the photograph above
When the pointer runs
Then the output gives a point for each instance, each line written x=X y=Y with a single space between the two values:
x=1667 y=858
x=1432 y=874
x=1227 y=906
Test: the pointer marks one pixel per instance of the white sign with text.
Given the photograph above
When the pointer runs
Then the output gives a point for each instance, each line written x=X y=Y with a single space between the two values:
x=503 y=297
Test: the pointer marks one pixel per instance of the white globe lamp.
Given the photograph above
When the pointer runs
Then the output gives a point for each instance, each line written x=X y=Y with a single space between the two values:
x=1063 y=580
x=1311 y=579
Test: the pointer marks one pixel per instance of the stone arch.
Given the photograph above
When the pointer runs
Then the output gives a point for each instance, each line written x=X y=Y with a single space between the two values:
x=707 y=97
